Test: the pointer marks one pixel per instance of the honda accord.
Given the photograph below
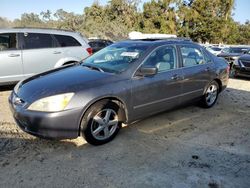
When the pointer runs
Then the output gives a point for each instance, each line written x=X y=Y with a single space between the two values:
x=122 y=83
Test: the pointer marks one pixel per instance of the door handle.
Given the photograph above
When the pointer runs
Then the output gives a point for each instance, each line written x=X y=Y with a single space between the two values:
x=175 y=77
x=57 y=52
x=14 y=55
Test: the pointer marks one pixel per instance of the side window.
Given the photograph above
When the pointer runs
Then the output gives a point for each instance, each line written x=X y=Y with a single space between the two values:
x=164 y=58
x=207 y=58
x=66 y=41
x=8 y=41
x=37 y=40
x=191 y=56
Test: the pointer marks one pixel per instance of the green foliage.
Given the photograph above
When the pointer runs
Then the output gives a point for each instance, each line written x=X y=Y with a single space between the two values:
x=206 y=20
x=158 y=17
x=244 y=33
x=29 y=20
x=201 y=20
x=4 y=23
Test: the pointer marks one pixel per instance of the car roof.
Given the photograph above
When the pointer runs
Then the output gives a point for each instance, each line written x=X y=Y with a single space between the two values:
x=158 y=42
x=37 y=30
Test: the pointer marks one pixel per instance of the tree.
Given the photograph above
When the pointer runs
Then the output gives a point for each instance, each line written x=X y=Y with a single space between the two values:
x=46 y=15
x=206 y=20
x=29 y=20
x=4 y=23
x=68 y=20
x=159 y=17
x=113 y=21
x=201 y=20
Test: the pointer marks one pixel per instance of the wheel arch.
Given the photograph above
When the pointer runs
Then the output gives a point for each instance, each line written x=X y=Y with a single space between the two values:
x=123 y=113
x=65 y=61
x=219 y=83
x=69 y=62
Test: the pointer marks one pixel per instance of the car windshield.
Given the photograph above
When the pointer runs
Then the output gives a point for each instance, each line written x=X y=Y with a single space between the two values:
x=237 y=50
x=225 y=50
x=216 y=49
x=115 y=58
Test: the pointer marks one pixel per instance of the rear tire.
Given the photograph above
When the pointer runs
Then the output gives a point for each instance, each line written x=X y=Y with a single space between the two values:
x=211 y=95
x=101 y=123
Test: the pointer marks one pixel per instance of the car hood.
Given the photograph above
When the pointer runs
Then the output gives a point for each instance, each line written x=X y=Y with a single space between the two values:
x=245 y=57
x=63 y=80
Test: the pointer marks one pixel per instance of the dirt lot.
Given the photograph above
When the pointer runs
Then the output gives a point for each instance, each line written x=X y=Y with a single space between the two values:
x=188 y=147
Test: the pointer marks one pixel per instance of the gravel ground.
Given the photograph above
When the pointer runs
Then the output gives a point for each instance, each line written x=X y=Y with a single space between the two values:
x=187 y=147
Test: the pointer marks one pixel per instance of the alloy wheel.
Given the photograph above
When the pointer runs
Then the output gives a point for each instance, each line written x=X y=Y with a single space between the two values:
x=104 y=124
x=211 y=94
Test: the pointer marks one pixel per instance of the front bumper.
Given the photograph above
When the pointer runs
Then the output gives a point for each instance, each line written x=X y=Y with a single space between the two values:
x=53 y=125
x=241 y=71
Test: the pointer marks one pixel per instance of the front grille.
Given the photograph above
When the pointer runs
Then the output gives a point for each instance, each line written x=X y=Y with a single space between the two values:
x=245 y=63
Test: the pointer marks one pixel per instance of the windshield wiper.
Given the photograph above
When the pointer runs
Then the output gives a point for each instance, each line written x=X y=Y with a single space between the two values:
x=93 y=67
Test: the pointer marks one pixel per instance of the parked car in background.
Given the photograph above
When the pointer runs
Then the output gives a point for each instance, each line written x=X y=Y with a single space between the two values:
x=26 y=51
x=242 y=65
x=98 y=44
x=121 y=83
x=233 y=53
x=214 y=50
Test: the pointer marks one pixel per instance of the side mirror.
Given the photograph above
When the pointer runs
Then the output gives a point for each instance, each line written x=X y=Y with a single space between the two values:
x=147 y=71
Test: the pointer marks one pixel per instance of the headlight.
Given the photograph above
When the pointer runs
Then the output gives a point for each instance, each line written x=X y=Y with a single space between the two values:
x=52 y=104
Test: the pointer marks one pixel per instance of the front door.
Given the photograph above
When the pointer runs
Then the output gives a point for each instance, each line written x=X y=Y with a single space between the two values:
x=162 y=91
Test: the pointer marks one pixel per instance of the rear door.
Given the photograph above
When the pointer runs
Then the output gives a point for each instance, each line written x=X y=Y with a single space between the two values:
x=11 y=69
x=39 y=53
x=71 y=47
x=197 y=69
x=159 y=92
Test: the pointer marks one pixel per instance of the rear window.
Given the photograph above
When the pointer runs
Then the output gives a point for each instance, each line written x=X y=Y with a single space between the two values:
x=95 y=44
x=37 y=40
x=8 y=41
x=66 y=41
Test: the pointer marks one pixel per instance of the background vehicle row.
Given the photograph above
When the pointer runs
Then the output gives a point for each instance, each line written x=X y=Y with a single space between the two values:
x=25 y=52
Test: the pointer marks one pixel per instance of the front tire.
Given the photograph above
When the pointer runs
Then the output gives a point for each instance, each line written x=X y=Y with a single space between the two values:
x=211 y=95
x=101 y=123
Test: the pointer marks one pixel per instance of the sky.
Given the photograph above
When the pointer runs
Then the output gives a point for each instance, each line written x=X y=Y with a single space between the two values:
x=12 y=9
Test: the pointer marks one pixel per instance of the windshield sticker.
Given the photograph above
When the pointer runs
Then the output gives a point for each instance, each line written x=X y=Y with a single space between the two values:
x=130 y=54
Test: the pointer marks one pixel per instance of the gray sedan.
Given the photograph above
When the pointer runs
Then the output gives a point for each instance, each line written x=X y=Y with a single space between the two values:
x=122 y=83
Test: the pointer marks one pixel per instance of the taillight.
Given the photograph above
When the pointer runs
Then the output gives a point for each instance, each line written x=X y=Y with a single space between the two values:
x=90 y=51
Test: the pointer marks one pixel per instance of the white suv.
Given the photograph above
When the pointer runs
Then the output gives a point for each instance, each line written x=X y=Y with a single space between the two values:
x=25 y=51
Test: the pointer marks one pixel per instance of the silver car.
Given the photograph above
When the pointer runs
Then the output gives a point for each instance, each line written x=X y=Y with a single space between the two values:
x=25 y=52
